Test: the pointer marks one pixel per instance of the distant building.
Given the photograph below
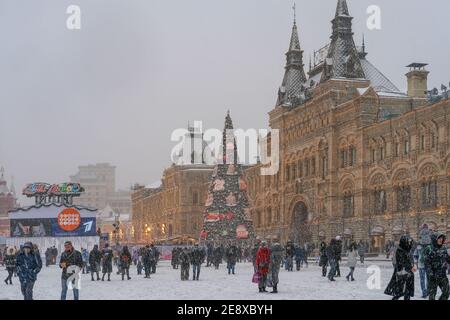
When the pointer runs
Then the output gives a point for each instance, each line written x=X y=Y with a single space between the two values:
x=108 y=217
x=8 y=201
x=99 y=182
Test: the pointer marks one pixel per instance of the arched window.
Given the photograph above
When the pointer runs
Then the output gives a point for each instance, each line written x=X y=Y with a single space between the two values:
x=403 y=197
x=380 y=203
x=429 y=194
x=348 y=205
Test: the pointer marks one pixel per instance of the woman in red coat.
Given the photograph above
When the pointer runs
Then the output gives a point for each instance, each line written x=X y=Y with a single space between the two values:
x=262 y=263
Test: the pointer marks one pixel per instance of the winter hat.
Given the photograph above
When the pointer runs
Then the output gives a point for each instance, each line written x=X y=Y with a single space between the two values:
x=28 y=245
x=338 y=237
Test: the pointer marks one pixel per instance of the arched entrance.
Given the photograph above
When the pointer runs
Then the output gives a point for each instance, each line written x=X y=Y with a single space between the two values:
x=300 y=232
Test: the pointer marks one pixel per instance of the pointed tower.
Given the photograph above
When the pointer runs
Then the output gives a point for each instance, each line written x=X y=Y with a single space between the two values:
x=343 y=59
x=3 y=185
x=227 y=209
x=294 y=75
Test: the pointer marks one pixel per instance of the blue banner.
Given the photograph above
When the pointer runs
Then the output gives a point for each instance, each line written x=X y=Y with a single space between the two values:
x=87 y=228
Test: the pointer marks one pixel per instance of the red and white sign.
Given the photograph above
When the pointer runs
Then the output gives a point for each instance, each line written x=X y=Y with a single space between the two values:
x=69 y=219
x=241 y=232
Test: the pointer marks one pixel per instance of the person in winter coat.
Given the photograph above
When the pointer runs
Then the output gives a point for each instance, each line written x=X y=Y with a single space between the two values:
x=125 y=262
x=231 y=256
x=323 y=260
x=217 y=257
x=332 y=252
x=276 y=257
x=197 y=258
x=298 y=257
x=174 y=258
x=156 y=257
x=436 y=258
x=402 y=281
x=48 y=257
x=419 y=260
x=185 y=261
x=361 y=251
x=107 y=257
x=351 y=263
x=85 y=256
x=71 y=263
x=290 y=251
x=254 y=251
x=148 y=259
x=338 y=254
x=95 y=258
x=28 y=265
x=139 y=265
x=209 y=254
x=9 y=261
x=262 y=265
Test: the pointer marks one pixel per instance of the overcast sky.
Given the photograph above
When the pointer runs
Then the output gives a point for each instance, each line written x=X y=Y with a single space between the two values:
x=138 y=69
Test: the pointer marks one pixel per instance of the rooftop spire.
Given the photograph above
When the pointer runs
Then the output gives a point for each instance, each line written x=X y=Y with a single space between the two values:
x=342 y=8
x=342 y=59
x=295 y=14
x=294 y=75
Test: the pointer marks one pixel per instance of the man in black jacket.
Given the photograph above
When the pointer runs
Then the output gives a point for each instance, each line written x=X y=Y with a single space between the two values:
x=107 y=256
x=290 y=251
x=197 y=258
x=436 y=259
x=95 y=258
x=70 y=260
x=148 y=259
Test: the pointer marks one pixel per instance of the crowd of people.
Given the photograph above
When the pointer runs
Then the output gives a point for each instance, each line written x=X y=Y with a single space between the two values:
x=429 y=256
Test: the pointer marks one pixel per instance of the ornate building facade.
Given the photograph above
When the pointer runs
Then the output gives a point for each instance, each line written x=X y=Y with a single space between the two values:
x=358 y=157
x=173 y=211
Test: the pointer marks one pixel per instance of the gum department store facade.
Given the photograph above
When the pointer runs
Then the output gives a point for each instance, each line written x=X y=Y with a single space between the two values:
x=358 y=158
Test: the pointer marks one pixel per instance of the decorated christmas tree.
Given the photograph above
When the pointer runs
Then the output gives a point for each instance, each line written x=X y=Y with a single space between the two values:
x=227 y=214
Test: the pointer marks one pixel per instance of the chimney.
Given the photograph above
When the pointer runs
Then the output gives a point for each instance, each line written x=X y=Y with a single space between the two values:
x=417 y=80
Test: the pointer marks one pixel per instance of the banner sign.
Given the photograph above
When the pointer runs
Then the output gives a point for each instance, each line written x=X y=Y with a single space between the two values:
x=45 y=189
x=67 y=223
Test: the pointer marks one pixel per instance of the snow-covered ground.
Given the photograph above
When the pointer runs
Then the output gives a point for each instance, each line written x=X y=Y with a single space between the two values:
x=213 y=284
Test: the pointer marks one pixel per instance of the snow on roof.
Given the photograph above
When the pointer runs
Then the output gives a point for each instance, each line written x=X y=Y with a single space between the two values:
x=378 y=80
x=154 y=185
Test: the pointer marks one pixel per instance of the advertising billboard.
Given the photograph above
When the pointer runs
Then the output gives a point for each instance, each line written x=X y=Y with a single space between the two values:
x=53 y=221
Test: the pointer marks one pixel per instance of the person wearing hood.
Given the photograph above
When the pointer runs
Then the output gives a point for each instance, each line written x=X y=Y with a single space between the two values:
x=69 y=261
x=276 y=257
x=402 y=281
x=10 y=264
x=28 y=266
x=262 y=265
x=436 y=259
x=95 y=258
